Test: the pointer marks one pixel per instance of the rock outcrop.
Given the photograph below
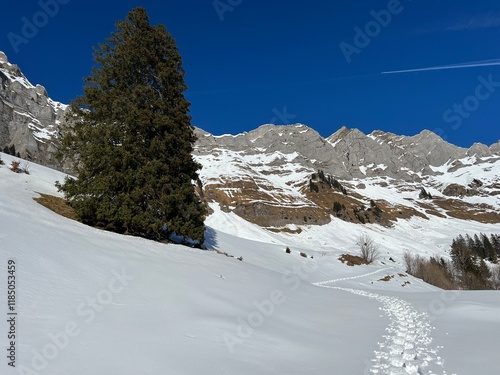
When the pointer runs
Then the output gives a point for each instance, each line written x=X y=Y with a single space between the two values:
x=29 y=119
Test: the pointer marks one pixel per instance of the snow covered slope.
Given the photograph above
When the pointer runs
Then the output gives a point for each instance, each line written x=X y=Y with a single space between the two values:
x=93 y=302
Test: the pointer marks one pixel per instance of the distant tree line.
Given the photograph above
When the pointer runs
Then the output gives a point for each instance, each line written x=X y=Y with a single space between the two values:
x=472 y=266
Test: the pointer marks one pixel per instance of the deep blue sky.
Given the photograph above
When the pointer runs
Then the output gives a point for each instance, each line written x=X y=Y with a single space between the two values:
x=281 y=62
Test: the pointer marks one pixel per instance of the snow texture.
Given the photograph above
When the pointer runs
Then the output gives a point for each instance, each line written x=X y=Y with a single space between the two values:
x=94 y=302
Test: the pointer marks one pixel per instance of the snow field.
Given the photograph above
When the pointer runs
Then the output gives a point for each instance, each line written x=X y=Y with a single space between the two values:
x=183 y=311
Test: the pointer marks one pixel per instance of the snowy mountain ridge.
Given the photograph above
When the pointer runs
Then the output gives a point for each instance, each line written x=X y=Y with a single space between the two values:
x=270 y=175
x=348 y=153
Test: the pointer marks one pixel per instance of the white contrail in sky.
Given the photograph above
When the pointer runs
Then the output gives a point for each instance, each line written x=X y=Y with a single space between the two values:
x=472 y=64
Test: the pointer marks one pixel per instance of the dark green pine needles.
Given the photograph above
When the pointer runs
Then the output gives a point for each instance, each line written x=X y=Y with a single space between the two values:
x=131 y=140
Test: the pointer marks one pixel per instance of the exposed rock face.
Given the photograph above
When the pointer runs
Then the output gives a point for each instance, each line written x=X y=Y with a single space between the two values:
x=386 y=154
x=480 y=150
x=456 y=190
x=348 y=153
x=495 y=148
x=29 y=119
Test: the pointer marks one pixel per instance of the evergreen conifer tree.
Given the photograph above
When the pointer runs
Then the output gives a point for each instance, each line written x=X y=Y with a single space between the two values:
x=131 y=139
x=495 y=242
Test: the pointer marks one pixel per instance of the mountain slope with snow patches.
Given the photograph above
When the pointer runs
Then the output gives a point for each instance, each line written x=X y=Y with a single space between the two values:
x=270 y=177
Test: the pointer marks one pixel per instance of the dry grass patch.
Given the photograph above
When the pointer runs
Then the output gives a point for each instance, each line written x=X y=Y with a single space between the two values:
x=387 y=278
x=58 y=205
x=284 y=230
x=431 y=210
x=257 y=203
x=465 y=211
x=352 y=260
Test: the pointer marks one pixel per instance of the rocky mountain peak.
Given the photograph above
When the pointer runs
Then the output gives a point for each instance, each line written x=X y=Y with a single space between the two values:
x=479 y=150
x=495 y=148
x=345 y=134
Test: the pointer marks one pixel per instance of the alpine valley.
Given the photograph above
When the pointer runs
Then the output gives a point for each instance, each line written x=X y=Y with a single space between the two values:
x=94 y=302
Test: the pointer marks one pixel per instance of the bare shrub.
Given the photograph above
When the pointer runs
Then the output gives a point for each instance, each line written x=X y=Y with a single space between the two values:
x=368 y=249
x=495 y=276
x=25 y=167
x=435 y=274
x=473 y=281
x=411 y=263
x=432 y=271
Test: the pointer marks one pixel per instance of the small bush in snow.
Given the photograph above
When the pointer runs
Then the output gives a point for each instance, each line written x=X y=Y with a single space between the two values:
x=17 y=167
x=368 y=249
x=495 y=276
x=25 y=167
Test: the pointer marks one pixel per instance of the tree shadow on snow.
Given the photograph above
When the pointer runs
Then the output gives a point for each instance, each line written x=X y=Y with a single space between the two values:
x=210 y=238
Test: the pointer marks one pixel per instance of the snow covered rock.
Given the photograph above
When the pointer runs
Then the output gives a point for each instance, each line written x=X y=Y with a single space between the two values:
x=29 y=119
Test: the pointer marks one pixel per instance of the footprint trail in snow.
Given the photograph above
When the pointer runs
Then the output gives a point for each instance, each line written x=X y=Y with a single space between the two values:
x=406 y=349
